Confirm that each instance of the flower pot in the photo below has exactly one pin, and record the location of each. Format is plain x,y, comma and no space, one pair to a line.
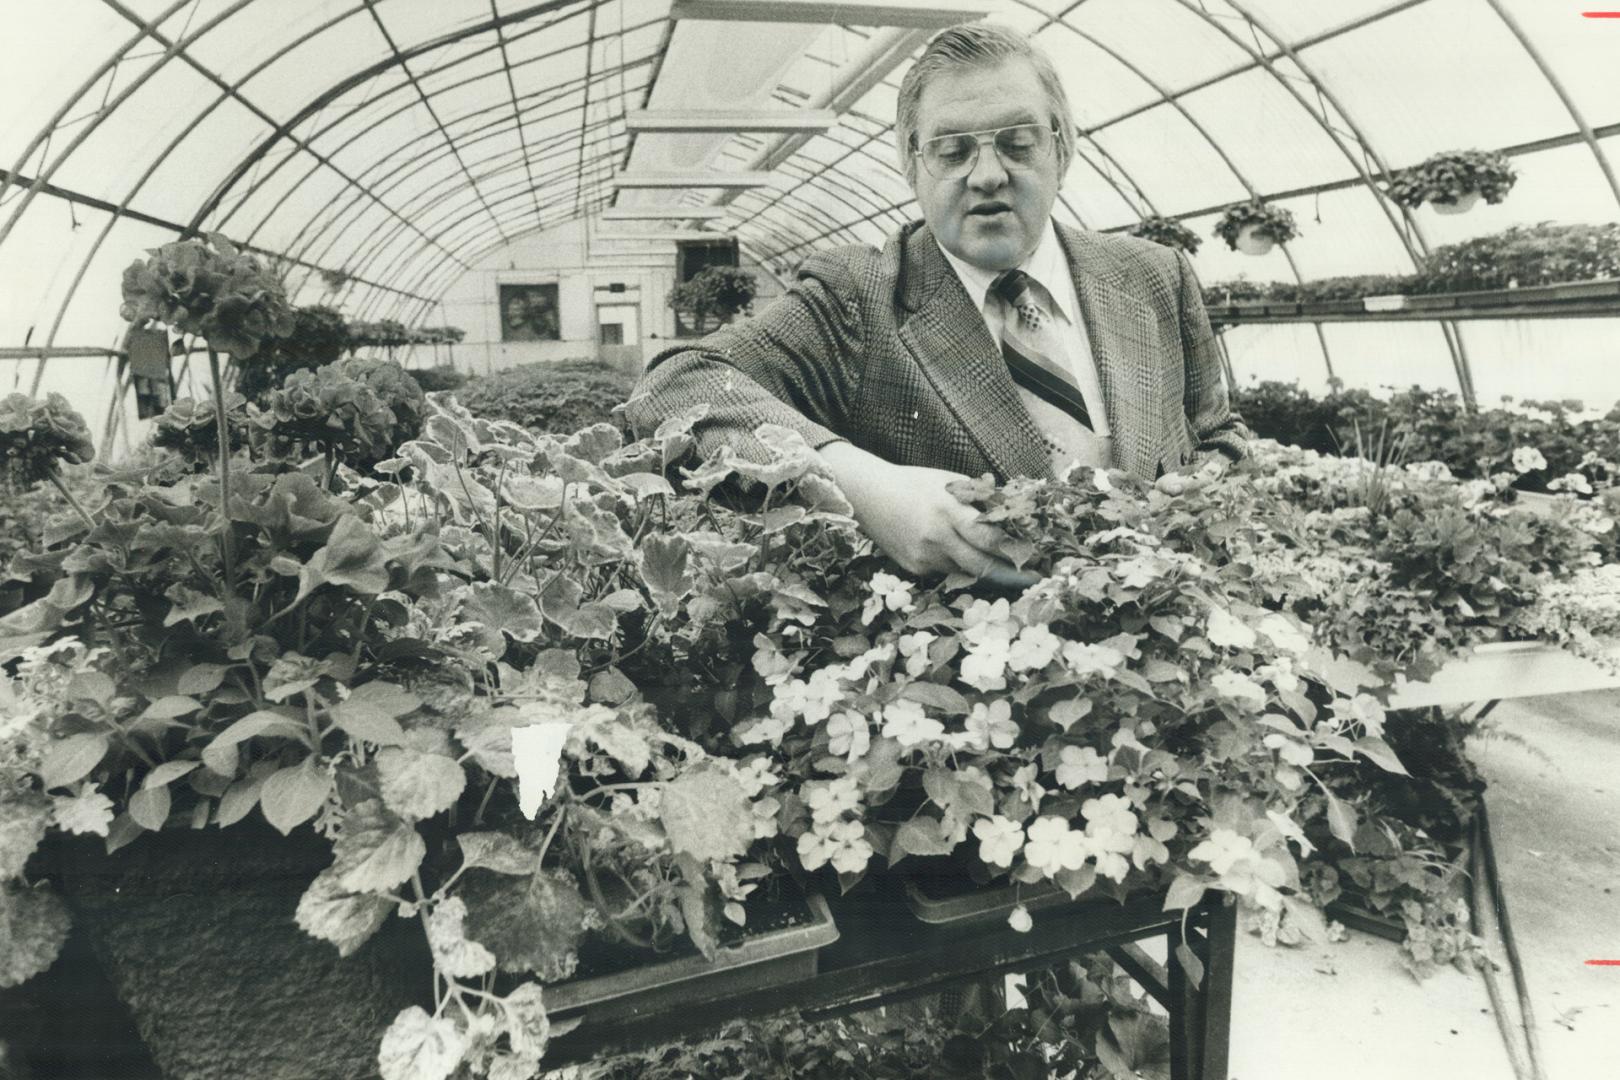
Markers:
1251,242
1464,203
1396,302
195,931
772,958
940,903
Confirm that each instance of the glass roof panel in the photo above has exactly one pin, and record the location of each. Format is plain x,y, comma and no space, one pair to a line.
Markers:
1296,21
316,65
255,33
47,55
1583,53
1172,46
1100,87
196,164
1165,156
1413,99
134,134
1253,117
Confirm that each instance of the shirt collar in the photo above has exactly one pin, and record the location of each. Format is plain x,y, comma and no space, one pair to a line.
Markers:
1046,264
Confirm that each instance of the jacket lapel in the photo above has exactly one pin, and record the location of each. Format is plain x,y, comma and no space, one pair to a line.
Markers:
1123,335
949,341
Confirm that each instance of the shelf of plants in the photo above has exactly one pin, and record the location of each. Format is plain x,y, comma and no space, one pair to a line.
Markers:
540,695
1576,300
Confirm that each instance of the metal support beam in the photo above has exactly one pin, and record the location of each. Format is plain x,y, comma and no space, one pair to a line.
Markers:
932,15
697,178
663,213
727,120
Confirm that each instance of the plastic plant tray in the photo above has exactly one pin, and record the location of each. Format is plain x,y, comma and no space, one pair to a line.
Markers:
982,904
768,959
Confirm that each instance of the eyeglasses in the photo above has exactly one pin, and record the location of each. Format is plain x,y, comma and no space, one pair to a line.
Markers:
1020,147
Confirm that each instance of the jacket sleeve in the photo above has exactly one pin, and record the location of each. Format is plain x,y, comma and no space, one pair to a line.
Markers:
1214,426
795,364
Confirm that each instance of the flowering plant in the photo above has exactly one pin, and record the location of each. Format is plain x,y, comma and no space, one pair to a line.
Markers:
209,288
1271,222
36,437
1167,231
1448,176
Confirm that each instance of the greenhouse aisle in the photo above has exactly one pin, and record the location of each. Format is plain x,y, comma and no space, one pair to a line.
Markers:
1555,815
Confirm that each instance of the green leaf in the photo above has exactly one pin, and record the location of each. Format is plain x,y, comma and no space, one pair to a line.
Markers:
96,686
376,850
937,696
1070,711
532,923
1191,964
527,1025
706,815
255,724
503,610
1184,892
417,784
645,485
1379,753
189,605
33,927
238,801
921,835
23,821
345,919
170,707
417,1046
366,721
150,807
167,773
453,954
498,852
353,556
388,697
71,759
1341,819
202,678
1076,882
293,795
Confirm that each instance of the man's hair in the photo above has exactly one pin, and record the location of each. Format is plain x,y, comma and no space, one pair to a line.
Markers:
978,45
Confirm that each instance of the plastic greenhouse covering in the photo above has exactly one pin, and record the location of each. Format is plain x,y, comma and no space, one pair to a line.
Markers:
382,148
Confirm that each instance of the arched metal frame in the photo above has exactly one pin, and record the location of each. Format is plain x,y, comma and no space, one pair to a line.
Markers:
430,239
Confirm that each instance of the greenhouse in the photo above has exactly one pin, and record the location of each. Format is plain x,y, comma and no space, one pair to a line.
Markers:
645,539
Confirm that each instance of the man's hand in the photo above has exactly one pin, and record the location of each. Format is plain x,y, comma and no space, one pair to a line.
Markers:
910,515
1177,483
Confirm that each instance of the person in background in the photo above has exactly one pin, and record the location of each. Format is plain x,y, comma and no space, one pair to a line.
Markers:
985,338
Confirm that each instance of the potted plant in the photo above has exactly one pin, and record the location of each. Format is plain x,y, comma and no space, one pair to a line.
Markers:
1453,182
722,292
1167,231
1253,227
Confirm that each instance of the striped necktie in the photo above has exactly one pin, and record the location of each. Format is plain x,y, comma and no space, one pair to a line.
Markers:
1030,368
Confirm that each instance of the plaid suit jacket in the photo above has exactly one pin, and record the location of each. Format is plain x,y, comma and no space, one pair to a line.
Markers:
886,349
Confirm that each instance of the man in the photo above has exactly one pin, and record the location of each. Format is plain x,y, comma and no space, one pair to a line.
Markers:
914,366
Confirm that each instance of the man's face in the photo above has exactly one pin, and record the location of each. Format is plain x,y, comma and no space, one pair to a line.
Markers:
991,218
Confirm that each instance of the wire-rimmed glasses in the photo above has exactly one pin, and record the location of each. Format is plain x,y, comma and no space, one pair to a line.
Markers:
1020,147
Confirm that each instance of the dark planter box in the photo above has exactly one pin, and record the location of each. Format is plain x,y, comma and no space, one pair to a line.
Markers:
774,958
939,902
195,932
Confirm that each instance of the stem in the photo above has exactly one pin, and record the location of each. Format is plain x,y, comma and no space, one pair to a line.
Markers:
545,846
56,479
224,470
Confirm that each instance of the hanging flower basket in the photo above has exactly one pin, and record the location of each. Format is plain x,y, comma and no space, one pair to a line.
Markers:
1453,182
1168,232
1253,227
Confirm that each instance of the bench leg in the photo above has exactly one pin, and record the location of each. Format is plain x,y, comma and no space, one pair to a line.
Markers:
1201,1010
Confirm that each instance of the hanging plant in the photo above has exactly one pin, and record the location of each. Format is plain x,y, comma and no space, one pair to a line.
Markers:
1167,231
1454,181
1252,227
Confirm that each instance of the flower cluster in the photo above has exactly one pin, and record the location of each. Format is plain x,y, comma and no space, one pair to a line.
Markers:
1448,176
208,287
36,437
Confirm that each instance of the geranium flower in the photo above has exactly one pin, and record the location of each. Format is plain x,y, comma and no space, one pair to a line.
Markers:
992,725
1034,649
906,722
1000,839
888,593
848,735
1528,459
1080,765
1053,847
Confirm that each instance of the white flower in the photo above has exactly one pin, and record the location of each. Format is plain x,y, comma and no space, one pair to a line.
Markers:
914,647
1053,847
848,735
765,811
755,776
1034,649
1019,919
1238,687
1286,634
844,844
1528,459
991,725
1110,820
1080,765
1223,850
984,619
1228,631
770,729
906,722
1024,782
1000,839
829,800
776,667
87,812
888,593
1576,482
1085,659
1433,471
985,665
